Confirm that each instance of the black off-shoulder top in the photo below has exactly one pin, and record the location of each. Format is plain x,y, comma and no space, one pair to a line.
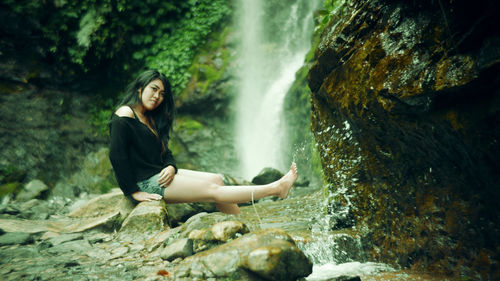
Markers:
135,152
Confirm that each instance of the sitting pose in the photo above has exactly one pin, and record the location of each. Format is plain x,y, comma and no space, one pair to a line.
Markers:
144,166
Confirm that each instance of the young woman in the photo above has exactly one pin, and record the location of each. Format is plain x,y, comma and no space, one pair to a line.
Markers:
144,166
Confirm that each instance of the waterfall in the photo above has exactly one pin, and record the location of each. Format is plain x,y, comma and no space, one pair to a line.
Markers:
275,37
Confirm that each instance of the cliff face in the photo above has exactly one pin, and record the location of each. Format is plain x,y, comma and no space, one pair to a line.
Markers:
406,112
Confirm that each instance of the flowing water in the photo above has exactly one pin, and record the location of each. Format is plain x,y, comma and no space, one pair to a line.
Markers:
275,37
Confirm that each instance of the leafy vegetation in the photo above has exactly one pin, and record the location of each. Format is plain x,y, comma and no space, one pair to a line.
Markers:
110,39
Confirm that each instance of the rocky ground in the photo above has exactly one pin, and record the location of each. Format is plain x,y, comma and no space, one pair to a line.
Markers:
105,237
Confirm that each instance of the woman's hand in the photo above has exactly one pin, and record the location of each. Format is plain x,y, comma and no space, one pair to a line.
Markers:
166,176
144,196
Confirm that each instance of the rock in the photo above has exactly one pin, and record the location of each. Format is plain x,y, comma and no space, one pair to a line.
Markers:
36,209
34,189
106,222
119,252
10,225
267,175
63,238
181,248
104,204
270,253
279,261
157,240
98,237
147,219
77,246
180,212
203,239
12,238
226,230
405,118
202,221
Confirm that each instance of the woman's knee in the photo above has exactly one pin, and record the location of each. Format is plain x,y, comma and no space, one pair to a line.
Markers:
216,192
217,179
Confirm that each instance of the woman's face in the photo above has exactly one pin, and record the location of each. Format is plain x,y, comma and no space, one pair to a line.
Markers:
152,95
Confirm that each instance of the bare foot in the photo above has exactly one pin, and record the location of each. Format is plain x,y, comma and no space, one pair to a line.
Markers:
286,182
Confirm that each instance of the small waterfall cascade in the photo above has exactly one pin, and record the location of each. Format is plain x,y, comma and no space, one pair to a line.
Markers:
275,37
339,252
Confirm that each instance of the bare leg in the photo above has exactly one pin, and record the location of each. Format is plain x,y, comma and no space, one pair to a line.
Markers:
212,178
185,189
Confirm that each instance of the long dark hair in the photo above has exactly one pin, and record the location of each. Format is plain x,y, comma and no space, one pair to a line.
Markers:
163,115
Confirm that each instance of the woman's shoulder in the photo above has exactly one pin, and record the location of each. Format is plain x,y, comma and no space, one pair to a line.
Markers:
125,111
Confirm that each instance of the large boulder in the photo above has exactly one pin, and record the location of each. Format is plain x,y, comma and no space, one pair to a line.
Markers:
269,254
111,202
146,220
405,109
267,175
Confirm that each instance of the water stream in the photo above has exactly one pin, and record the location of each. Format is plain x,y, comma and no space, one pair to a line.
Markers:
275,37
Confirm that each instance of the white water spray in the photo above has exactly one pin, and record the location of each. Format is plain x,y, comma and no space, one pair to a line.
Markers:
276,35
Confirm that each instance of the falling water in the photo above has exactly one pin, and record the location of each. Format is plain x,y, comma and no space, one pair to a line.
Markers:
276,35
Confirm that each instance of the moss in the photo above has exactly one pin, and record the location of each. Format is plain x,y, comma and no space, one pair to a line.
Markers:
10,188
188,126
209,64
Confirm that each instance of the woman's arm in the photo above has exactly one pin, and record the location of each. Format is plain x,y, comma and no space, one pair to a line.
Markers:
118,155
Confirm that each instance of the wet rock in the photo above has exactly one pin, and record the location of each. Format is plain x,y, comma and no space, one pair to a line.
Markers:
12,238
267,175
272,261
269,253
181,248
34,189
147,219
407,127
226,230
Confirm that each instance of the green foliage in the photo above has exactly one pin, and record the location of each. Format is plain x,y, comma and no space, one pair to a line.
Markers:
173,53
99,116
113,36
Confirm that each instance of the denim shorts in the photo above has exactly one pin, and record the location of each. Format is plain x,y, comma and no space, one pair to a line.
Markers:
150,186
